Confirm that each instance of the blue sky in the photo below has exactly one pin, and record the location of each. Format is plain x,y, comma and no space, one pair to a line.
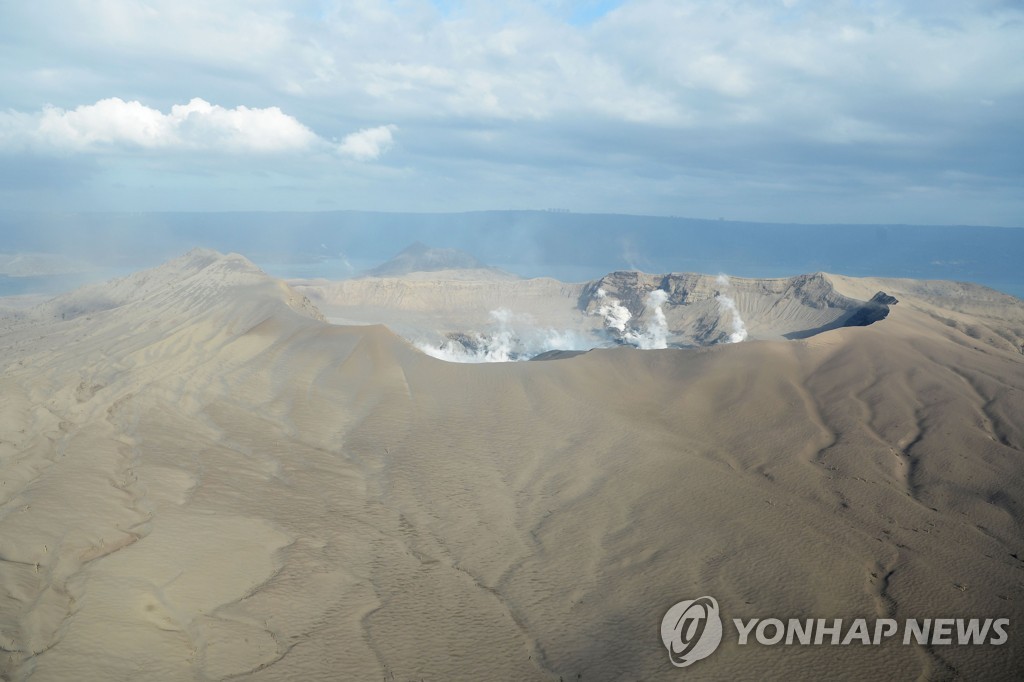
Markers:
789,111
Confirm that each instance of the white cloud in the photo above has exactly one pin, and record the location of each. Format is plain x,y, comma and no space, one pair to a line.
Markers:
114,124
108,122
367,144
241,128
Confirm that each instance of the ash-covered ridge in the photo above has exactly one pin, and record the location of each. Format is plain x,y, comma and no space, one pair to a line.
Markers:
194,283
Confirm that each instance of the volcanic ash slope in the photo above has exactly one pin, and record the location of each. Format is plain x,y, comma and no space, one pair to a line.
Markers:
201,479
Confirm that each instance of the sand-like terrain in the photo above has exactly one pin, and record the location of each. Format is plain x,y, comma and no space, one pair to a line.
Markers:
201,479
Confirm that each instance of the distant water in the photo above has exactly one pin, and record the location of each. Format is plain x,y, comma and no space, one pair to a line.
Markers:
327,268
50,284
568,246
56,284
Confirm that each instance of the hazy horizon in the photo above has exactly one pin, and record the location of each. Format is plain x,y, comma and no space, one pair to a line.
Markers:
566,246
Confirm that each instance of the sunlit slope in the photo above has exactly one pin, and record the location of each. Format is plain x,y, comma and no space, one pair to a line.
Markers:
202,480
983,315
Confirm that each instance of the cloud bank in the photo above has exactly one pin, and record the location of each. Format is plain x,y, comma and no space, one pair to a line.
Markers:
830,111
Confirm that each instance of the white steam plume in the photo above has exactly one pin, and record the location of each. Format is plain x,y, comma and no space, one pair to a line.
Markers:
504,343
655,333
616,316
513,337
728,304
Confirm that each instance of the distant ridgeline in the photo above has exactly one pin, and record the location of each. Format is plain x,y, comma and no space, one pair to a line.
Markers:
569,246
